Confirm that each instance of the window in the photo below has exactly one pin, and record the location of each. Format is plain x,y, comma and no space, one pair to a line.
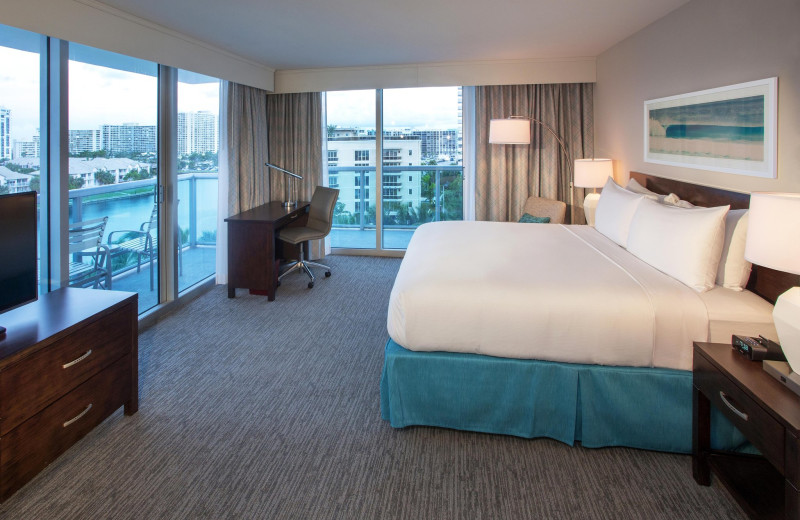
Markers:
351,135
20,163
198,167
422,125
113,112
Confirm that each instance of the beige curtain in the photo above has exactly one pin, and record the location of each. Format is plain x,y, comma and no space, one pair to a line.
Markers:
506,175
295,129
247,138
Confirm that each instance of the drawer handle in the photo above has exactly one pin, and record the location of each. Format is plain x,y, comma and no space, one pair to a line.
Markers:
84,412
76,361
735,410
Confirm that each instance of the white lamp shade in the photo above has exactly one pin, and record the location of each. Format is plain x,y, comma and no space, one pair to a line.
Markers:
510,131
773,231
592,173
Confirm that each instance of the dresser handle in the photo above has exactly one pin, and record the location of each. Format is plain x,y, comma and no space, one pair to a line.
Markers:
78,416
735,410
75,362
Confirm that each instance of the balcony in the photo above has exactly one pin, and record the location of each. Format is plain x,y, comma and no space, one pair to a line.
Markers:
127,205
438,195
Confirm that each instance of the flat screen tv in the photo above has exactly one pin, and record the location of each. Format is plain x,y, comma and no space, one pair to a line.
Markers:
18,253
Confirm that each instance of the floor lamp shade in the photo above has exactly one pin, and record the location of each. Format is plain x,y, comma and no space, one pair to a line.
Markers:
515,130
773,240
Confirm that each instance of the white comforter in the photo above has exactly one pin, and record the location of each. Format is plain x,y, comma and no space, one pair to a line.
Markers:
551,292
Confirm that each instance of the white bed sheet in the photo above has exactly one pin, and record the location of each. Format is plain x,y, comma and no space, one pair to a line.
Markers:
551,292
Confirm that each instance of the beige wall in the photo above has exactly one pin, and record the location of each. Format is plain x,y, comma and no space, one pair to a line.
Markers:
704,44
500,72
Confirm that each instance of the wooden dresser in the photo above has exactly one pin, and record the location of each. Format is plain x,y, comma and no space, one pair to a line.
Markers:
67,362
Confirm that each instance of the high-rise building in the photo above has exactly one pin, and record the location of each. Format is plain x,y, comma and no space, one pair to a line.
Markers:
198,132
438,143
5,133
351,168
27,148
129,138
85,141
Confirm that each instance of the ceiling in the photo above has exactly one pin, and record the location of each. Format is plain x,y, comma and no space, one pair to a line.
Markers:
301,34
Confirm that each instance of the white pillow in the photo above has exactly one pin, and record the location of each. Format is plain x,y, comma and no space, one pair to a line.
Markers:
615,211
734,270
686,245
634,186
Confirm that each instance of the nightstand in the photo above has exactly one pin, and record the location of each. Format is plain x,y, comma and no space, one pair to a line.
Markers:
766,412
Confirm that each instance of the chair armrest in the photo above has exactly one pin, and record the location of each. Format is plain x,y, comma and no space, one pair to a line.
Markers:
124,232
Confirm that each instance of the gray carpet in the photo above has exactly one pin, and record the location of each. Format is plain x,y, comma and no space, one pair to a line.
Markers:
252,409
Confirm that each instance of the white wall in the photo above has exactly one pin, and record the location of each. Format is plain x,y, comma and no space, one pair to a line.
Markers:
98,25
702,45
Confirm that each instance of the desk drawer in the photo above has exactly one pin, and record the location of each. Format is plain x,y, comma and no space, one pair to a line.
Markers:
38,380
766,434
41,439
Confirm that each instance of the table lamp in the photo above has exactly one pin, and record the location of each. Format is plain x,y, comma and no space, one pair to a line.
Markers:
592,173
773,241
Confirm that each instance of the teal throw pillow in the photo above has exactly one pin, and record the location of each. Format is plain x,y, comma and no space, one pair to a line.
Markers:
530,219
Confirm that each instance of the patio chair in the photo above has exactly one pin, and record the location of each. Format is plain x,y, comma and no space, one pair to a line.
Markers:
139,242
143,243
86,240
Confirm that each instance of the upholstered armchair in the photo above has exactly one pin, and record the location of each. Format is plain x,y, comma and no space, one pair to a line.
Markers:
541,207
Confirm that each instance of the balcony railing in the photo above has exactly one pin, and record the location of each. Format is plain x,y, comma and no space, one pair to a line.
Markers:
437,200
128,205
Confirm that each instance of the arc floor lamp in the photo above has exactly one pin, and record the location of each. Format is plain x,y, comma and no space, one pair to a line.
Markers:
517,130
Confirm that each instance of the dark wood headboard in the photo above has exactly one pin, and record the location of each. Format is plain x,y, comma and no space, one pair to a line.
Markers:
765,282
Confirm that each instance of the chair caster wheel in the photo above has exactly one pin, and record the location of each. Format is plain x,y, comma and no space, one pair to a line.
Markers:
327,274
310,285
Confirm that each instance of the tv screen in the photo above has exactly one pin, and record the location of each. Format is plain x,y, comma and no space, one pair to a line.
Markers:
18,254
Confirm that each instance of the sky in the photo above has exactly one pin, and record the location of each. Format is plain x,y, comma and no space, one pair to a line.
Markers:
101,95
98,95
418,108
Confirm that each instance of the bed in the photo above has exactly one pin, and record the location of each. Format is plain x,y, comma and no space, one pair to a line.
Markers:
585,343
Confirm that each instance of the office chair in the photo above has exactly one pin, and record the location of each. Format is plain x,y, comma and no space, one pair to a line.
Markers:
320,219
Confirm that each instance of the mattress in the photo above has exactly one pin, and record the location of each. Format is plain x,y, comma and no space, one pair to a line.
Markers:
548,292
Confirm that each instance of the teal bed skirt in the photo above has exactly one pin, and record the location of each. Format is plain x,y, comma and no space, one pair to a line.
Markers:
648,408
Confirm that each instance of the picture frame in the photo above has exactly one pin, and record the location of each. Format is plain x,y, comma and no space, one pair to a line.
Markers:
731,129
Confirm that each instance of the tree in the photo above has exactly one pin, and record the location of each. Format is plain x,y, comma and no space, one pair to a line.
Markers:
104,177
75,182
34,184
331,130
4,189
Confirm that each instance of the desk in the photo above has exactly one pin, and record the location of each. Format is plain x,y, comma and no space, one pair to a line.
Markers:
252,262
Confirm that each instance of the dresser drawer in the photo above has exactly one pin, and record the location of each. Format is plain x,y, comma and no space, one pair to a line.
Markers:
43,377
41,439
761,429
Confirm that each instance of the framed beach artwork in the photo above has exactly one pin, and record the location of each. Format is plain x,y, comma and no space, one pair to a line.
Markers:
729,129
